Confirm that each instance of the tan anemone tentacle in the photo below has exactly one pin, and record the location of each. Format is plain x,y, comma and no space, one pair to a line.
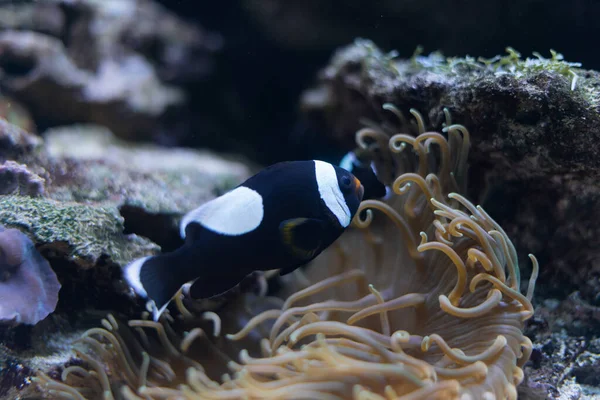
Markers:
395,217
337,305
285,334
397,113
436,187
57,388
419,120
533,278
162,335
457,228
477,256
460,358
434,137
463,142
493,300
380,141
342,279
404,182
409,300
515,295
461,269
254,322
399,142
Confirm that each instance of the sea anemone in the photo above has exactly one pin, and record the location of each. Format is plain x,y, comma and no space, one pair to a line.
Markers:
420,299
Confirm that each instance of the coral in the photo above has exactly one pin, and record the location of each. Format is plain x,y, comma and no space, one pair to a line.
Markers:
101,168
121,90
422,298
17,144
28,285
16,179
120,64
85,233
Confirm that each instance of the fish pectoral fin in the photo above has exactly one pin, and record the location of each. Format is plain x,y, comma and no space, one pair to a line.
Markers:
193,232
303,237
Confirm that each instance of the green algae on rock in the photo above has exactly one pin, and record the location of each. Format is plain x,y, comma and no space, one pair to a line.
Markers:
519,104
85,232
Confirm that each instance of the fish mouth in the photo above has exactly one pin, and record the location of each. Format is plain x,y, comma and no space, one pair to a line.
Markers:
359,189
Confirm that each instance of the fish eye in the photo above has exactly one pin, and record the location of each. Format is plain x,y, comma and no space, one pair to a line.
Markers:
346,181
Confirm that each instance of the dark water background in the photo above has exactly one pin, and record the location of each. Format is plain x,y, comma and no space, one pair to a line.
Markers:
274,49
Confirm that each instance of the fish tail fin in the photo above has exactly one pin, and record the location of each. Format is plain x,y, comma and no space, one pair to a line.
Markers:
153,278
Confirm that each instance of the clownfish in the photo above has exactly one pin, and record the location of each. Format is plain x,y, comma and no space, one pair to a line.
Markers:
280,218
366,172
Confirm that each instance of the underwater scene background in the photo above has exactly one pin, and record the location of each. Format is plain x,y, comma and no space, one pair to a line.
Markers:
476,276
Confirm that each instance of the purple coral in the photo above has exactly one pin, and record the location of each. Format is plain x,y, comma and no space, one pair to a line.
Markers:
28,285
17,179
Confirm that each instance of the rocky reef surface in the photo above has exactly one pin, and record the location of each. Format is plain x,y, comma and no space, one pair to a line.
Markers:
91,203
90,76
124,65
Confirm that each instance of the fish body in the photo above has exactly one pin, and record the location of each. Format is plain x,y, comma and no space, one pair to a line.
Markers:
366,172
281,218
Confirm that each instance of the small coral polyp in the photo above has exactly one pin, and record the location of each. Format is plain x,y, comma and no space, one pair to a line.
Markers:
420,300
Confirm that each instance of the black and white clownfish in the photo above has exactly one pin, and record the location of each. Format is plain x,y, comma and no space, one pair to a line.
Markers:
365,171
280,218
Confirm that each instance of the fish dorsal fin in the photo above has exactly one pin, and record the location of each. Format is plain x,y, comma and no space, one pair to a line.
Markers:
303,237
235,213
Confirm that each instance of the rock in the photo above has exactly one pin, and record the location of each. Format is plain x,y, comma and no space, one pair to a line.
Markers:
13,112
535,128
562,367
93,166
123,94
44,17
82,233
17,179
121,64
17,144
